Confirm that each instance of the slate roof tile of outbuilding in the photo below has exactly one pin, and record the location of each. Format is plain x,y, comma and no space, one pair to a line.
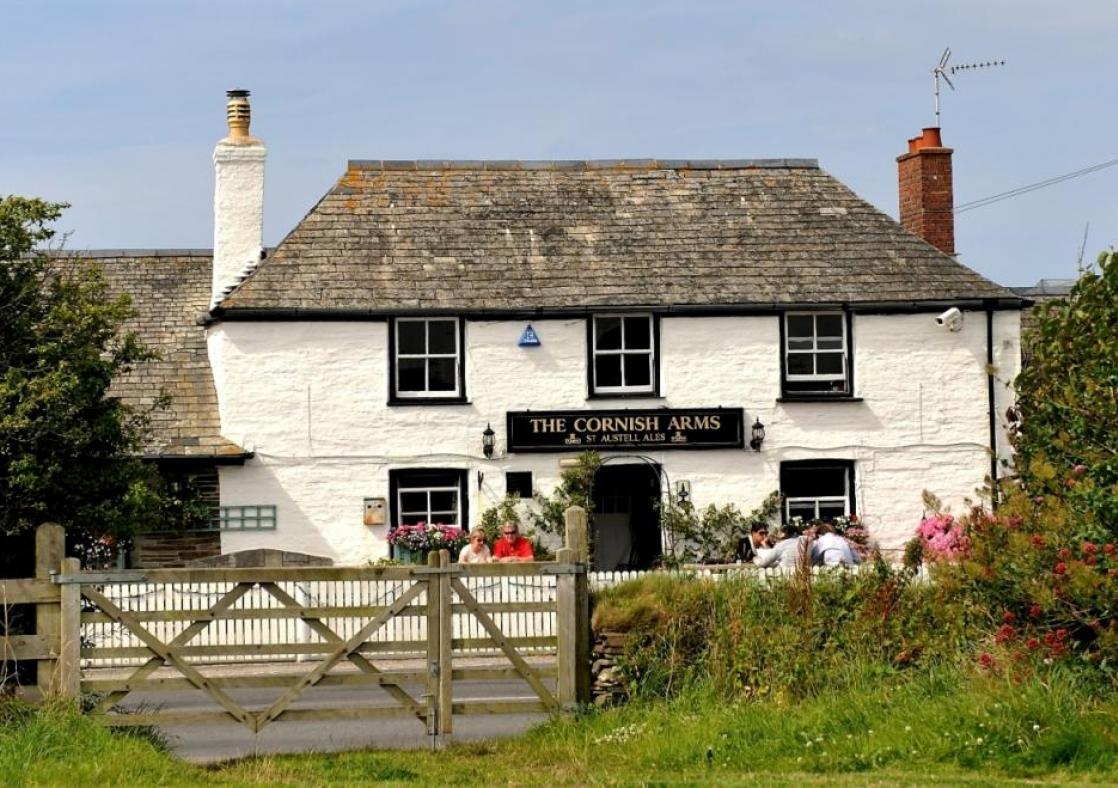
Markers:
477,236
170,290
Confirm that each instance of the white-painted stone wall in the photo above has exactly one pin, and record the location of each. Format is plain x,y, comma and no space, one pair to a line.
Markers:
309,398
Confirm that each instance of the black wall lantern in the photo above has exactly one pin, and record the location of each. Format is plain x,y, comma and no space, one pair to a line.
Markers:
757,433
487,440
683,491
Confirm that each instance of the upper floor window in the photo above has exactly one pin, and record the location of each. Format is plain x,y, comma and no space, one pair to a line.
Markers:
623,354
817,489
427,358
816,353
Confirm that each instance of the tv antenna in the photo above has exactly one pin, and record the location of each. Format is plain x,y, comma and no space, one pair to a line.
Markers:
942,70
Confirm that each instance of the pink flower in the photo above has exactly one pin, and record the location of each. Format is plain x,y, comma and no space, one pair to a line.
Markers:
986,660
1060,568
1079,470
941,537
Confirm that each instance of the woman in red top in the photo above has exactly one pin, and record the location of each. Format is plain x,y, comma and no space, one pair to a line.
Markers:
512,546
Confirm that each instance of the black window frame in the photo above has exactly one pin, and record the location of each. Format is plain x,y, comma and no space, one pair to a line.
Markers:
849,480
395,396
593,391
802,389
428,478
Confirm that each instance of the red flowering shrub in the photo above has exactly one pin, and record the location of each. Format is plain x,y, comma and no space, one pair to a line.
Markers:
1051,594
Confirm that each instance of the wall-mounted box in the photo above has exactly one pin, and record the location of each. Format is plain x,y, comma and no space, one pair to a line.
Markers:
376,511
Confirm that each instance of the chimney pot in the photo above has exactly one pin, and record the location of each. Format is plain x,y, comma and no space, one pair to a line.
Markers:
931,138
238,113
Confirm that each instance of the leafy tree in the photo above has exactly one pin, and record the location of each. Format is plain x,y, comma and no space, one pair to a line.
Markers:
1067,398
68,452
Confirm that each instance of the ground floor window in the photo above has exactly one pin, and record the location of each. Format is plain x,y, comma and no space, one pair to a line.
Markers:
428,495
817,489
519,483
257,517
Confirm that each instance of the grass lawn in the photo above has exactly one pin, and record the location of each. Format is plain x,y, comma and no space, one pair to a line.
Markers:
938,729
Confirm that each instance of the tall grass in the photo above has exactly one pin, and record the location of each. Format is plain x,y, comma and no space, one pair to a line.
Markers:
55,745
792,637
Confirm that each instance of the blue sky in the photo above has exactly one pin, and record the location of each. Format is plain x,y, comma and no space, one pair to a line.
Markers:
115,106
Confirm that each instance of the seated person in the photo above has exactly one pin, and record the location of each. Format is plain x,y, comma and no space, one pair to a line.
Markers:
512,546
787,553
831,549
758,539
475,551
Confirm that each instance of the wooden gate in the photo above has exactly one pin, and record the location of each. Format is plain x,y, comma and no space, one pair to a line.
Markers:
456,631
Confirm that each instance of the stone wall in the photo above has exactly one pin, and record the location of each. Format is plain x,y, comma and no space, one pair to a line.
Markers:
172,549
606,686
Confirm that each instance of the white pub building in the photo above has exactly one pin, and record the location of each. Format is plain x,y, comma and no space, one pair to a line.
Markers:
435,334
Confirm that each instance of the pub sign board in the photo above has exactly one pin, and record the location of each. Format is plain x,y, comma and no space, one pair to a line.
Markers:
601,430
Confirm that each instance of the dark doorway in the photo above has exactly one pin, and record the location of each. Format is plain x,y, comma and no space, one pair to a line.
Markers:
626,517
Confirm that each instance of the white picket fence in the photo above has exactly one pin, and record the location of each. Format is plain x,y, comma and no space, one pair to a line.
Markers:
601,580
403,635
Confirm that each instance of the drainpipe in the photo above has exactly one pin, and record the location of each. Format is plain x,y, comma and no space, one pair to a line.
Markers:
991,408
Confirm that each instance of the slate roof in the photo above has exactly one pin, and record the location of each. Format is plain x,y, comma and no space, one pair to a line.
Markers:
493,236
170,289
1039,294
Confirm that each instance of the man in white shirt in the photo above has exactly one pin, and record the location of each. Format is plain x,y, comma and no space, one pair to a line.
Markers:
831,549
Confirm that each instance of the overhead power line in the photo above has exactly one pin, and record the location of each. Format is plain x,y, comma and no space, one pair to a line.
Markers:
1032,187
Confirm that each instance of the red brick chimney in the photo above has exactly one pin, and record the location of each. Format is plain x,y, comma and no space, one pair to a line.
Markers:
926,194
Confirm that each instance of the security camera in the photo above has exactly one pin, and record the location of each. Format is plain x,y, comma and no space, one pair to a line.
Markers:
952,319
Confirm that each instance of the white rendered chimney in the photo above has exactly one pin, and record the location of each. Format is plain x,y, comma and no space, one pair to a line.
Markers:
238,199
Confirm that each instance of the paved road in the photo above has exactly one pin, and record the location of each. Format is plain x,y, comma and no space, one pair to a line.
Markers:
221,741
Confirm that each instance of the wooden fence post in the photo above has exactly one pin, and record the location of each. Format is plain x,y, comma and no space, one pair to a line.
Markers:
567,652
434,644
50,549
577,537
70,642
440,663
446,650
578,542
